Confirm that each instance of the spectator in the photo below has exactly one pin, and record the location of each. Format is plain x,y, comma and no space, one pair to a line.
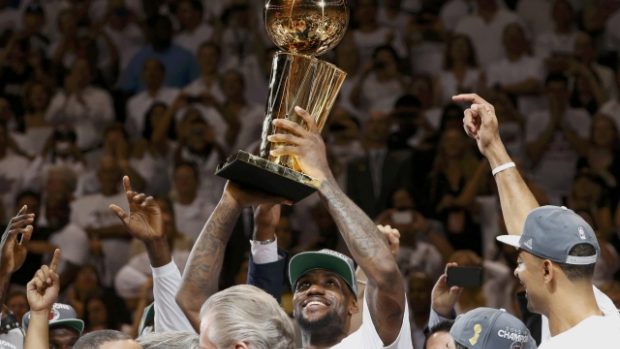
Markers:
109,240
439,336
121,25
189,207
179,64
194,31
207,85
552,138
560,41
17,302
153,74
460,68
519,73
488,328
484,28
37,130
74,104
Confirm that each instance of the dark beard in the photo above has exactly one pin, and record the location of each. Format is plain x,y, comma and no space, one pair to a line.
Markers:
329,326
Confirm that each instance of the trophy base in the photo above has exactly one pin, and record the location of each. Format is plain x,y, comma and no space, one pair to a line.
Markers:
263,175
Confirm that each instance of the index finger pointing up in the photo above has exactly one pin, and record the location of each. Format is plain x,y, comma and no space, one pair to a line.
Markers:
55,260
469,98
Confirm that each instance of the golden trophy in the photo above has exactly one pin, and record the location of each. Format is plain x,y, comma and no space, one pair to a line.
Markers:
302,29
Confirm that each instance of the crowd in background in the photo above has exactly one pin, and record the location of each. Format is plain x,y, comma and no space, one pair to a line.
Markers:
163,91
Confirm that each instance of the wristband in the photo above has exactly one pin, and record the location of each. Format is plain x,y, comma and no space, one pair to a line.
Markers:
266,242
502,167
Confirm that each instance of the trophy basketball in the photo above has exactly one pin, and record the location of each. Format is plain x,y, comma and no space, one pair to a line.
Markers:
302,29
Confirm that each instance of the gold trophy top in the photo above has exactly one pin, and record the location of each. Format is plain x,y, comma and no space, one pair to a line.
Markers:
308,27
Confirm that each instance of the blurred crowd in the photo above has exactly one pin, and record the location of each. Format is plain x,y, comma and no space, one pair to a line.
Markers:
165,90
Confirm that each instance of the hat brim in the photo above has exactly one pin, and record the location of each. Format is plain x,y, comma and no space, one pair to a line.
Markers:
512,240
75,324
304,262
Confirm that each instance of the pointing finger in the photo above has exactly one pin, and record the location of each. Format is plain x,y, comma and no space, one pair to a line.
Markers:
55,260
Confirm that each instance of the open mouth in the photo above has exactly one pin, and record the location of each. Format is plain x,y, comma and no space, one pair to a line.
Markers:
315,303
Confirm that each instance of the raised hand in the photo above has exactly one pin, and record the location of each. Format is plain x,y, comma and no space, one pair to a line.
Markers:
13,250
144,220
42,290
444,298
306,145
244,197
392,236
480,121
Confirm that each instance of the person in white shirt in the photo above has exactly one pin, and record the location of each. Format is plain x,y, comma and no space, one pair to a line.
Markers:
90,213
552,138
519,73
153,74
193,30
12,170
562,38
189,207
123,30
557,248
86,107
207,86
484,28
611,108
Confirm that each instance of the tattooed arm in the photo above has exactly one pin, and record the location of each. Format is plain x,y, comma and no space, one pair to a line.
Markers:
201,274
368,246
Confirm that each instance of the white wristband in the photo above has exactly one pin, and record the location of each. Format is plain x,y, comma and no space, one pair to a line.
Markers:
503,167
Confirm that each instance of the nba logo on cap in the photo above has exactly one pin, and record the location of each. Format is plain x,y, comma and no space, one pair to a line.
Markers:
582,233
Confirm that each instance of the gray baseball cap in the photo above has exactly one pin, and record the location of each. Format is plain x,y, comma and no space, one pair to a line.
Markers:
326,259
488,328
550,232
61,315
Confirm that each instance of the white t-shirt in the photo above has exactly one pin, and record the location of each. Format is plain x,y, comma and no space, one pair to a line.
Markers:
604,303
192,40
380,95
506,72
366,337
88,117
138,105
552,42
191,218
450,87
556,168
93,211
73,242
598,332
367,42
487,36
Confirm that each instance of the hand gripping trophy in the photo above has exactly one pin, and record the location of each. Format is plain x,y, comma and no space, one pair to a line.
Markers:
302,29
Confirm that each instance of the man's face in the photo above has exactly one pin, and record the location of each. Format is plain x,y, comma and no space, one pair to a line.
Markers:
19,306
62,338
529,273
322,300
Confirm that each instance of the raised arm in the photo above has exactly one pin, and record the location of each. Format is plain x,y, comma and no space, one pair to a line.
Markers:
42,292
385,289
201,275
13,249
480,123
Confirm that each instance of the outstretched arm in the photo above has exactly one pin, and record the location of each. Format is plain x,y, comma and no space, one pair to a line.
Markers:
13,249
201,275
480,123
42,292
386,294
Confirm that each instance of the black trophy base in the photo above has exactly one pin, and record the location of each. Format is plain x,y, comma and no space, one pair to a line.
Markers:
263,175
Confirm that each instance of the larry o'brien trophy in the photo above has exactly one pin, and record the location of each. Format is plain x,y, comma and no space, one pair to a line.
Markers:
302,29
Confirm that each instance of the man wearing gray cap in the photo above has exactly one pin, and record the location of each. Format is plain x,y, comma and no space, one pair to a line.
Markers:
557,248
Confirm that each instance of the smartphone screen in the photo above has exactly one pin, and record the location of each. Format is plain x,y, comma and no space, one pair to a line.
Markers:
402,217
465,276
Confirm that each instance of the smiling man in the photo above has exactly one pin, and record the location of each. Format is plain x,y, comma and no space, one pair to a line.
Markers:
557,248
323,282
